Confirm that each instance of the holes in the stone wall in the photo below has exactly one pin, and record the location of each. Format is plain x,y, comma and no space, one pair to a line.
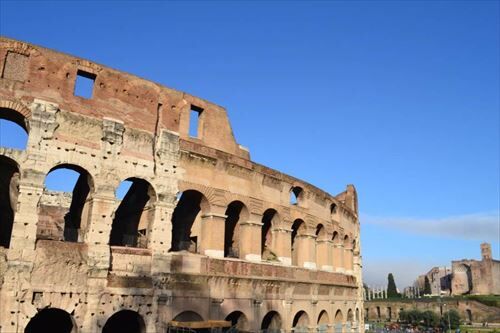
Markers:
194,121
84,84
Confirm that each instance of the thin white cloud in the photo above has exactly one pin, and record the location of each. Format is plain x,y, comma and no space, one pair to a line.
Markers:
480,226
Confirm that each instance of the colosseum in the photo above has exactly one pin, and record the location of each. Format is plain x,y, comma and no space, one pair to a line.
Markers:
203,240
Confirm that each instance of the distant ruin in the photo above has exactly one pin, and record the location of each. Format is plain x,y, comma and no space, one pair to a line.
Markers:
465,277
202,235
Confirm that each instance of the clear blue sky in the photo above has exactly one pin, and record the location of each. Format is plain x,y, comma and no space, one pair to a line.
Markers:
400,98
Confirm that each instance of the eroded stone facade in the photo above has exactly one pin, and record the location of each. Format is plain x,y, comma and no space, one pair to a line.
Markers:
203,233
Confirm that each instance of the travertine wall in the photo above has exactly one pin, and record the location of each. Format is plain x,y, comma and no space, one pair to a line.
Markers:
203,233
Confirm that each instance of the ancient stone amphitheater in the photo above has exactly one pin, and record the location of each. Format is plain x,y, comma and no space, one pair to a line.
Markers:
203,237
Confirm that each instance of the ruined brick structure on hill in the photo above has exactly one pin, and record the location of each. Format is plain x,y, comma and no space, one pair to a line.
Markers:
202,234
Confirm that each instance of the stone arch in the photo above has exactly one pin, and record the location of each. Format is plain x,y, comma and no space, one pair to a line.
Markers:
350,320
186,316
14,129
468,315
299,229
52,320
270,219
125,321
9,191
238,320
348,257
462,279
323,249
333,209
186,220
321,233
134,216
300,322
56,215
357,315
271,322
15,112
337,251
338,320
236,213
296,195
323,321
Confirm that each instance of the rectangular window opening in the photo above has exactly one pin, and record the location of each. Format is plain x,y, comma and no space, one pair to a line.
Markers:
194,121
84,84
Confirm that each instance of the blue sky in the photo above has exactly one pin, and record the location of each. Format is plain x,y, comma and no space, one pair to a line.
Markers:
400,98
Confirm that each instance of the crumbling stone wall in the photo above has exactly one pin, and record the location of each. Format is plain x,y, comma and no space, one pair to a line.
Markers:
469,310
98,258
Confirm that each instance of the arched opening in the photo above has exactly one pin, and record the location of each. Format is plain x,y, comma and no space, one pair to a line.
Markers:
357,315
296,194
349,321
13,129
187,316
389,313
134,215
378,312
9,190
367,314
239,321
339,318
125,321
333,209
468,314
337,254
322,247
51,320
462,279
235,212
300,322
298,229
347,253
323,321
271,323
186,221
64,208
269,219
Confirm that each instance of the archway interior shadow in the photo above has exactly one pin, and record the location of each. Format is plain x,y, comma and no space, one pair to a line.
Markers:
9,179
50,320
125,321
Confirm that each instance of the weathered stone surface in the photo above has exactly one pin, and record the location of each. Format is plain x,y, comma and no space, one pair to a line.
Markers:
202,229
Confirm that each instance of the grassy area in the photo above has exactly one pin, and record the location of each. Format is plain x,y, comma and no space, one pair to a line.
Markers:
470,329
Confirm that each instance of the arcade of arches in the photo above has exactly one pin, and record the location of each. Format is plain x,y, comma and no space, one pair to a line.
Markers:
113,218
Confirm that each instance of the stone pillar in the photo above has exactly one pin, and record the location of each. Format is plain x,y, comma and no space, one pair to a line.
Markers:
306,250
324,255
212,235
160,229
250,239
283,245
338,251
23,237
348,260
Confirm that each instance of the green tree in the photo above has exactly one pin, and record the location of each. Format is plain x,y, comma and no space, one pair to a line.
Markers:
392,291
430,318
453,317
427,286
